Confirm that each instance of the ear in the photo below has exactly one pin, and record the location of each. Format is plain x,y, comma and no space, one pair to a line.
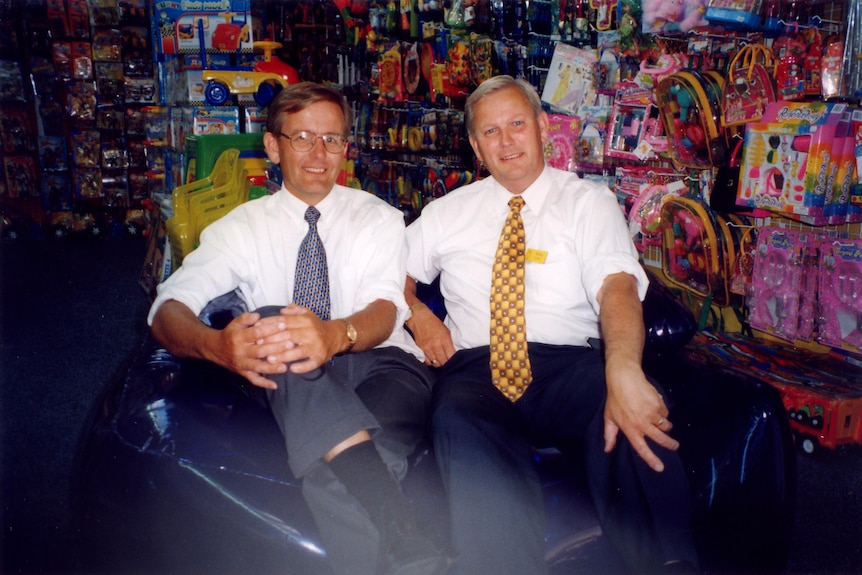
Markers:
544,126
270,144
475,147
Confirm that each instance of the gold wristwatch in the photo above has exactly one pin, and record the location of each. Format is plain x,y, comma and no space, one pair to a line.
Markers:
351,335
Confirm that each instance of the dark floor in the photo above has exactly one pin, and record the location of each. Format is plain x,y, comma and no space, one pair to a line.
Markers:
73,313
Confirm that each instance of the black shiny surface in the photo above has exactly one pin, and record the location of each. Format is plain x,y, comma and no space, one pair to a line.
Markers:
185,472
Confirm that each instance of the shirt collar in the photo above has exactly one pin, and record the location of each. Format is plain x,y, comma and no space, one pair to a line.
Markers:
534,196
297,207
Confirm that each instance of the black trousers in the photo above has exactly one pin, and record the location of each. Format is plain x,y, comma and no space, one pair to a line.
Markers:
386,391
484,446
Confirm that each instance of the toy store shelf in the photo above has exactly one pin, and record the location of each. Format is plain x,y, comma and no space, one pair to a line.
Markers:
822,393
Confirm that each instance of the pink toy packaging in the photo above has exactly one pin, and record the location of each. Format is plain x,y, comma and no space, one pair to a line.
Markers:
841,294
560,151
628,123
778,282
836,208
787,159
668,16
854,208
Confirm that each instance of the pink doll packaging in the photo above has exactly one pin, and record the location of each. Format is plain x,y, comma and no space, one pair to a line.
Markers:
841,294
777,282
560,151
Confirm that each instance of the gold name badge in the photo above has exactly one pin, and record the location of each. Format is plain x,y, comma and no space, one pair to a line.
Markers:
536,256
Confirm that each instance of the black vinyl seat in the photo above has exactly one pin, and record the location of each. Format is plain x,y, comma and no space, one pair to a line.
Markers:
183,470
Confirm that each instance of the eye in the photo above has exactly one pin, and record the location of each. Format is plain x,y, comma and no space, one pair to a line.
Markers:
302,137
490,131
332,139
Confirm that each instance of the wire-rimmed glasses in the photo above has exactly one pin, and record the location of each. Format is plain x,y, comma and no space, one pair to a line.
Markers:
305,141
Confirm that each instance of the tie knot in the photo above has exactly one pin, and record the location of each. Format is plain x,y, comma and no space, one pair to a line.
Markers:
515,204
312,215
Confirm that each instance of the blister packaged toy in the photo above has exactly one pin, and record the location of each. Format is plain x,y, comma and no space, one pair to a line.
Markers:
777,282
841,294
645,214
560,150
630,118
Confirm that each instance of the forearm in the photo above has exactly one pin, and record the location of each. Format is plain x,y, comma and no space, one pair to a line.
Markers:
374,325
419,312
177,328
621,319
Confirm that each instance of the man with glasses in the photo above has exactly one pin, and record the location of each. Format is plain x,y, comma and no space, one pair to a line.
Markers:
323,267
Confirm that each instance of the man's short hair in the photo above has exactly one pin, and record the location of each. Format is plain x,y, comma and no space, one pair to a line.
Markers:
297,97
496,84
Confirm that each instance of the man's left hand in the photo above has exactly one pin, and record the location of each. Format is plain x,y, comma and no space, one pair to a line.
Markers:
635,407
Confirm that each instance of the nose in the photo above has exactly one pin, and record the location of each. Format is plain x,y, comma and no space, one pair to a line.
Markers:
317,149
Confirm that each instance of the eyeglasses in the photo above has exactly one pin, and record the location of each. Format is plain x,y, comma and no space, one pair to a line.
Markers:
305,141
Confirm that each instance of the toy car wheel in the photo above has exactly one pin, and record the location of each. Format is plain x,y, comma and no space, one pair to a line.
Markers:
216,93
807,444
265,93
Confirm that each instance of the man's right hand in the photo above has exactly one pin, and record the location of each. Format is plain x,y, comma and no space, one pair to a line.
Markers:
432,336
247,342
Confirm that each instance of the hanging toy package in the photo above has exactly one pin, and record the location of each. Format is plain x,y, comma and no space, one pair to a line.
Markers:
841,294
852,71
778,280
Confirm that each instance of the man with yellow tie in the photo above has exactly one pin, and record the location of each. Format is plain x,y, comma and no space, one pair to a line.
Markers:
534,263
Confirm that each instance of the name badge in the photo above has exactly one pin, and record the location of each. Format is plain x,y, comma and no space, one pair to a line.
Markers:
536,256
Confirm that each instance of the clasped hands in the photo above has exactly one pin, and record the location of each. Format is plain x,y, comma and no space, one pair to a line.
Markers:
295,340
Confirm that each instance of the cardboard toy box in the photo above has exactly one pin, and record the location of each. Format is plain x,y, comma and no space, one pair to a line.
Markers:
189,26
787,164
215,120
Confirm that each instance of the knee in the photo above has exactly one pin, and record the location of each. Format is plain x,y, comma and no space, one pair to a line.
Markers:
269,310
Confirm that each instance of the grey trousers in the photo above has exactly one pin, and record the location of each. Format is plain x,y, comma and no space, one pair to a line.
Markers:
385,391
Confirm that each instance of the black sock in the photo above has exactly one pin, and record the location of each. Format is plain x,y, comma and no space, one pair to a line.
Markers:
367,478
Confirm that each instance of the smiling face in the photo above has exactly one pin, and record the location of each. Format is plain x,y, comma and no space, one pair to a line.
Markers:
507,135
308,175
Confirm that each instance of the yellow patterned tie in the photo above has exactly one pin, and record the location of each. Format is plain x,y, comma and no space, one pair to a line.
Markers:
510,364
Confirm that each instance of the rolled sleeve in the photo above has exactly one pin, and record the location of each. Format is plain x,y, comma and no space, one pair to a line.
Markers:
610,250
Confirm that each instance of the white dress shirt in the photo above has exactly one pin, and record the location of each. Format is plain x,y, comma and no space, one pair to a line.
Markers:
576,236
254,248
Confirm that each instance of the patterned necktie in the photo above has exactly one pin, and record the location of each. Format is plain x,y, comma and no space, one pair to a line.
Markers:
510,364
311,286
